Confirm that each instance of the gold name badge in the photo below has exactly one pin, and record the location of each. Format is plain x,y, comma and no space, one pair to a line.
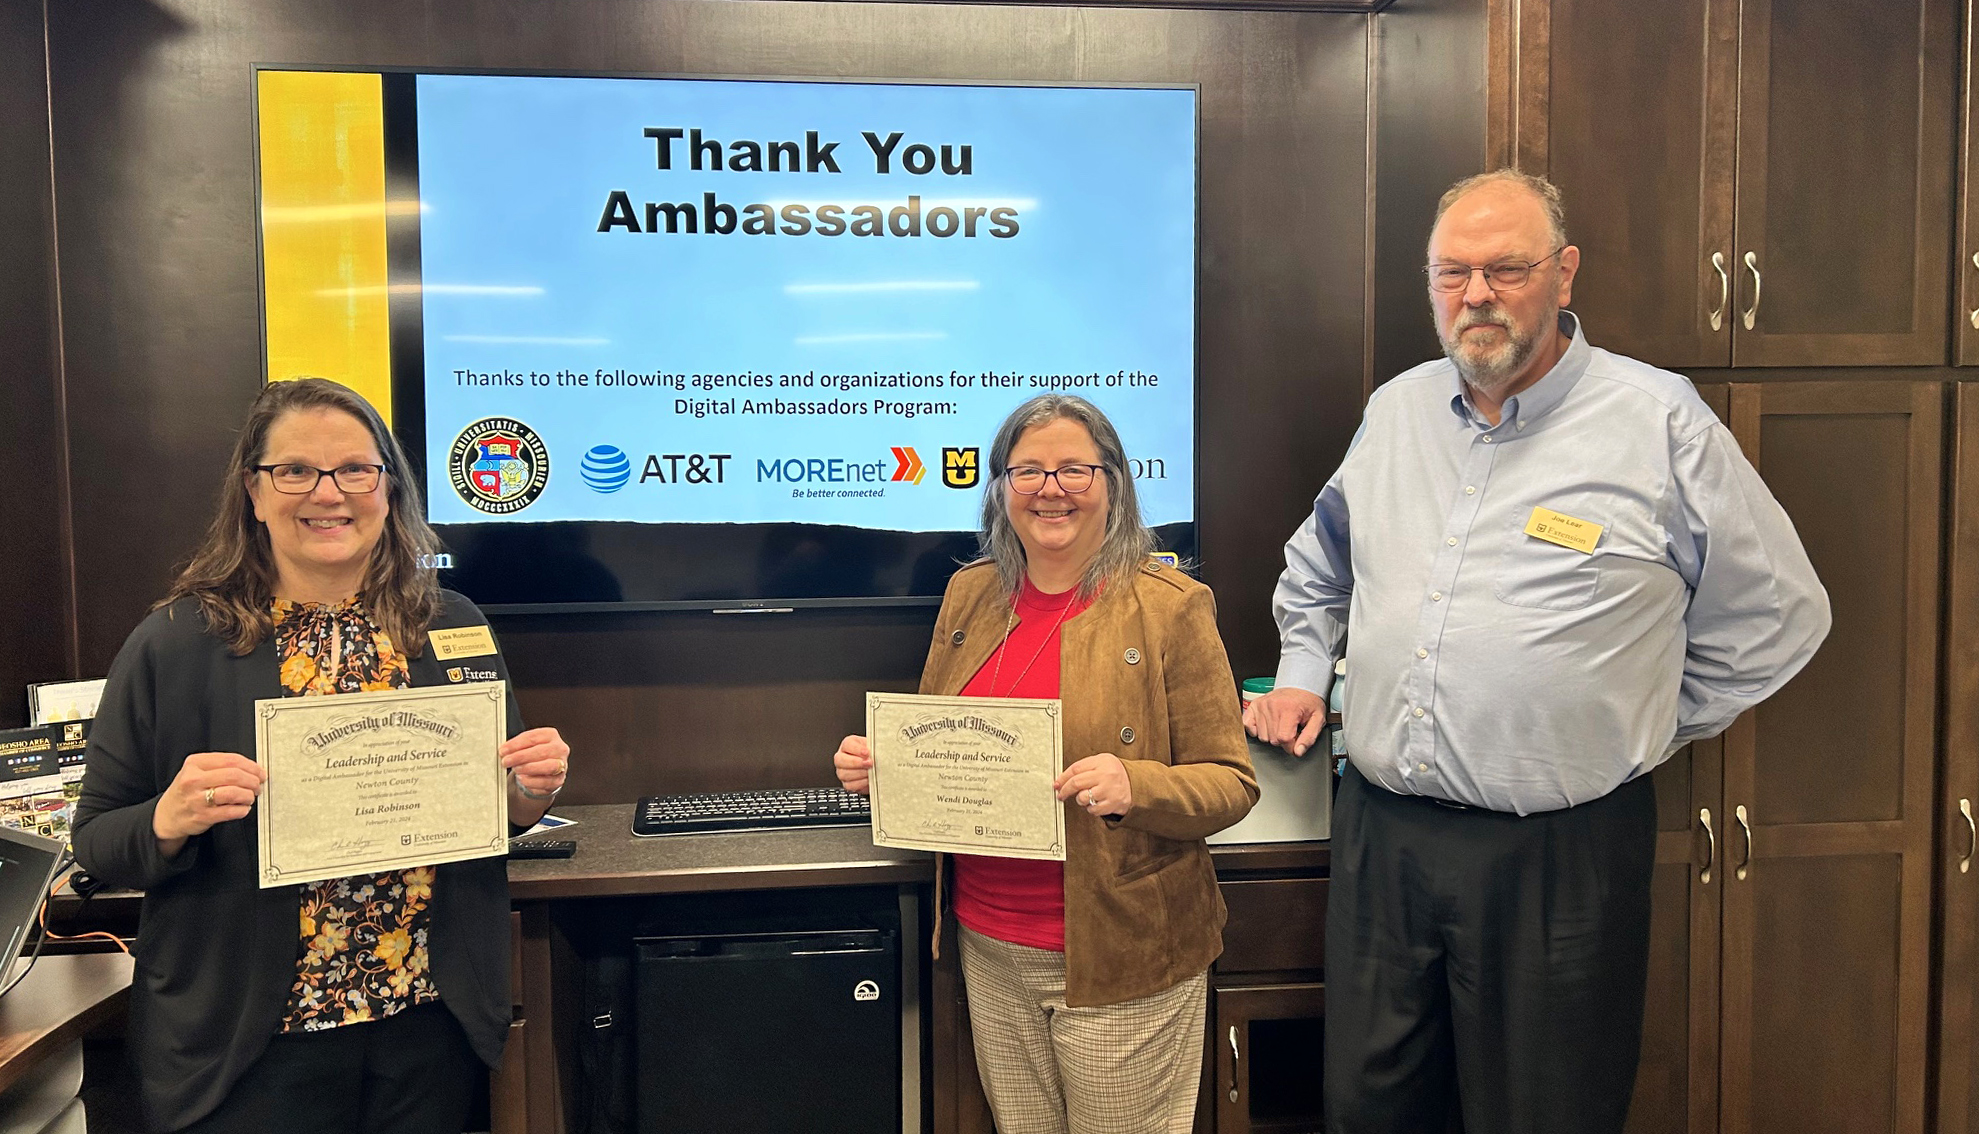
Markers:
461,642
1560,528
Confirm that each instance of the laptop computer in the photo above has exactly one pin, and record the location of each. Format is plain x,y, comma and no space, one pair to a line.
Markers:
28,863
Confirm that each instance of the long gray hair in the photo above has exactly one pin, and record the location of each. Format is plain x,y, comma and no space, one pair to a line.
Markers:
1127,543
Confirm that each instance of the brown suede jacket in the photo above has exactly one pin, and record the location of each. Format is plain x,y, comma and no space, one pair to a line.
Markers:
1145,677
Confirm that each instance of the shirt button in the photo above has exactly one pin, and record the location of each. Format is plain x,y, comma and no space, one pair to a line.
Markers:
957,638
1418,713
1487,439
1133,656
1422,653
1422,767
1127,735
1452,541
1470,490
1436,596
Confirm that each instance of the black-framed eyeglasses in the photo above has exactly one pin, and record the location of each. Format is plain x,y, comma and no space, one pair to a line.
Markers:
300,480
1028,480
1504,275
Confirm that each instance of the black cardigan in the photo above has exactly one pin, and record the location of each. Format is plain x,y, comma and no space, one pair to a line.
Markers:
216,954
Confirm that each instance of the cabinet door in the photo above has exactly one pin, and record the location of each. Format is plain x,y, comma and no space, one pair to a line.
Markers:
1958,998
1676,1083
1638,134
1268,1048
1827,889
1965,317
1844,182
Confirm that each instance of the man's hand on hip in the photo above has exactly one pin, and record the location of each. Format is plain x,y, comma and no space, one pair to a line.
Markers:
1289,718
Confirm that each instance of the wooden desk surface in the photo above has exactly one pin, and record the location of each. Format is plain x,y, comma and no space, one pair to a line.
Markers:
63,998
611,860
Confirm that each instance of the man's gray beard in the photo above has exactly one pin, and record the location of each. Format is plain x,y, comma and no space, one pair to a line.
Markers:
1490,377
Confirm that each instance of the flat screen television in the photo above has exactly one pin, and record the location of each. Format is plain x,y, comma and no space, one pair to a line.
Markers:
743,343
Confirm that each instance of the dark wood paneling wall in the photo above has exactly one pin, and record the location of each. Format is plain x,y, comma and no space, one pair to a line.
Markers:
154,193
34,627
1429,131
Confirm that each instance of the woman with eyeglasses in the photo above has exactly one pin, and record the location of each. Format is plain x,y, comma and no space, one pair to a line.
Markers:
1087,979
357,1004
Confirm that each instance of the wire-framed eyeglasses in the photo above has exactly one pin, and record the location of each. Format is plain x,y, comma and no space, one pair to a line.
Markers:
1502,275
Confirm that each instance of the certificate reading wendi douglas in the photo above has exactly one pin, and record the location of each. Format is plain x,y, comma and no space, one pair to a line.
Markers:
966,774
362,782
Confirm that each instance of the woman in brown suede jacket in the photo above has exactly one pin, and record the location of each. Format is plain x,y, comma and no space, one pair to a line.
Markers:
1087,980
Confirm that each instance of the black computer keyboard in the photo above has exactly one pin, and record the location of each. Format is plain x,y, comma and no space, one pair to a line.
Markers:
749,811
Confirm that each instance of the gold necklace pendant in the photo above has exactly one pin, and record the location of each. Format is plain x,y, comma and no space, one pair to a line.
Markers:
1009,624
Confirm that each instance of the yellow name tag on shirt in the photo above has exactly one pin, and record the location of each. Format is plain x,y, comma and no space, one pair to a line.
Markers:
1560,528
462,642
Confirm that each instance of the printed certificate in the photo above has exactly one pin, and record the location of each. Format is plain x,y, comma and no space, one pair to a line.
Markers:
967,774
362,782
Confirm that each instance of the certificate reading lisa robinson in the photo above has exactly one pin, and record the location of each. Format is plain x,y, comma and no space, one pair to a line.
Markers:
967,774
365,782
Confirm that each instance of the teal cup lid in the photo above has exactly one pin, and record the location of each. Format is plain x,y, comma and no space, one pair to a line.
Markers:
1259,685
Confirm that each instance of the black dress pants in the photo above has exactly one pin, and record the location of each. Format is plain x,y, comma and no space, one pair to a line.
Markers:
410,1073
1483,962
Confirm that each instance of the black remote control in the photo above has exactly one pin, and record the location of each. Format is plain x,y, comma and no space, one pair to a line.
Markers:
542,848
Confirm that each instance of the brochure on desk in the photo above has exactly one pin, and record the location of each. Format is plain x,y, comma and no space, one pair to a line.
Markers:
41,776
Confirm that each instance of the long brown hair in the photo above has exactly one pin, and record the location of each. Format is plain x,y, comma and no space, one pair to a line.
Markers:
232,575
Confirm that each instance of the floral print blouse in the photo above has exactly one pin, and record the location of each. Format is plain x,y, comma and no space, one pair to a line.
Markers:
363,949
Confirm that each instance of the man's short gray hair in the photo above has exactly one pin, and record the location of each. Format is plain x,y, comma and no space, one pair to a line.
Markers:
1545,191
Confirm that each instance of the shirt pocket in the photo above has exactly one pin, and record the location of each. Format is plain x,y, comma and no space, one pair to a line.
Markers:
1537,573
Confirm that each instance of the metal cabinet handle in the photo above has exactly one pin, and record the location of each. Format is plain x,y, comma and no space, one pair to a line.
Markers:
1739,813
1971,836
1724,290
1711,845
1234,1057
1752,312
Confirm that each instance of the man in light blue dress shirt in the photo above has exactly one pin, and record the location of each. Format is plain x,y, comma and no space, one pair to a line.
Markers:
1548,568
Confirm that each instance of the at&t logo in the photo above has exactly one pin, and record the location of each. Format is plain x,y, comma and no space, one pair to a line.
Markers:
605,468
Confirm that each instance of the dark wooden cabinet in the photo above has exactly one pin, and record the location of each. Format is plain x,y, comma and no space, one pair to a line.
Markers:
1957,1007
1676,1084
1828,785
1752,182
1638,132
1267,1014
1267,1046
1965,317
1790,966
1791,945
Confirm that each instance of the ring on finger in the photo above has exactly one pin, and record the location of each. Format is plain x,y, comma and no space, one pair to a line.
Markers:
209,797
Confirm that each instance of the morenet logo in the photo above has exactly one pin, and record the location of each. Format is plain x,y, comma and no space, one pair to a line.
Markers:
905,466
605,468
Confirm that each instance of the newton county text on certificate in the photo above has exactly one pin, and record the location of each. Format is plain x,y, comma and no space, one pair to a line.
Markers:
366,782
966,774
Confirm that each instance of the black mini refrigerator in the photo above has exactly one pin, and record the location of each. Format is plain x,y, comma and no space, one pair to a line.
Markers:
769,1033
